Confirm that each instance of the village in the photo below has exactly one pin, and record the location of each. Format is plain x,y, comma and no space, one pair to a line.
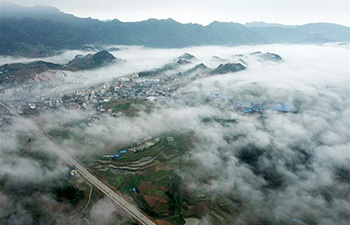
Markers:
158,88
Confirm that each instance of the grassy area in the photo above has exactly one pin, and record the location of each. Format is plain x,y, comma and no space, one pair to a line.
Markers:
150,152
114,180
131,181
66,137
158,175
129,107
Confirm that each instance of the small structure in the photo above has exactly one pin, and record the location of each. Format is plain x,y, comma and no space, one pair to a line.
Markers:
82,124
143,146
32,105
108,156
255,108
74,173
170,139
123,151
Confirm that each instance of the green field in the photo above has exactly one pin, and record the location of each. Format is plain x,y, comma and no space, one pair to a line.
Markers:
127,106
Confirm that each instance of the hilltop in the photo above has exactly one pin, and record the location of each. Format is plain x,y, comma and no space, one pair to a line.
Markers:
20,72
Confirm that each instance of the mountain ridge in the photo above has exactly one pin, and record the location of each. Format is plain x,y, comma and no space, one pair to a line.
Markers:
20,72
44,30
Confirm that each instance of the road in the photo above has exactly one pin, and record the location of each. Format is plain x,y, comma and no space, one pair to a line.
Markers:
131,209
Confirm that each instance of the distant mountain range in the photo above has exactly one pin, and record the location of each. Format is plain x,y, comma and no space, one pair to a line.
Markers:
43,30
263,24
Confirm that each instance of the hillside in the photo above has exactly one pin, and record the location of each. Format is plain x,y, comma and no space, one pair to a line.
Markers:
20,72
90,61
42,30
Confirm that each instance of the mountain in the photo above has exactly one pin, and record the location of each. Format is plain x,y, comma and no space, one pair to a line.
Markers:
20,72
228,68
327,31
91,61
197,69
263,24
309,33
44,30
187,56
182,60
268,56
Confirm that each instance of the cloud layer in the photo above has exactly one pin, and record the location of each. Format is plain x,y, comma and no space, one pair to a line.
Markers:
295,165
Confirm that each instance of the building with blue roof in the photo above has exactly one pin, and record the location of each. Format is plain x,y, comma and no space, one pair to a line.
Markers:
255,108
282,108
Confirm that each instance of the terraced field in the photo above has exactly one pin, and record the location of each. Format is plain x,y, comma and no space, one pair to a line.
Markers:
157,179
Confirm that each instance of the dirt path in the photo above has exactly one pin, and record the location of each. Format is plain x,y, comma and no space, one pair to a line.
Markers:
78,213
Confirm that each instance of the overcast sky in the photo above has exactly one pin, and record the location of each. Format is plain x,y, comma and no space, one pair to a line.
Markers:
206,11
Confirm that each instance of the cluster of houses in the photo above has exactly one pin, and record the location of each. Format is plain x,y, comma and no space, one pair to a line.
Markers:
140,145
116,155
159,88
230,103
132,87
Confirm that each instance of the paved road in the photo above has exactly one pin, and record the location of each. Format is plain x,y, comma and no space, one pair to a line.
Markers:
131,209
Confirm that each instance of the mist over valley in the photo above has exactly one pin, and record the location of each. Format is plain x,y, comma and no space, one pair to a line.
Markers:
252,132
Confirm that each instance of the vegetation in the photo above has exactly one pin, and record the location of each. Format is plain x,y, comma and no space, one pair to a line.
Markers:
21,72
70,192
90,61
228,68
19,33
128,106
161,191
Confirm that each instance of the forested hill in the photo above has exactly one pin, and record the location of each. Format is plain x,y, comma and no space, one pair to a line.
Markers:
41,30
